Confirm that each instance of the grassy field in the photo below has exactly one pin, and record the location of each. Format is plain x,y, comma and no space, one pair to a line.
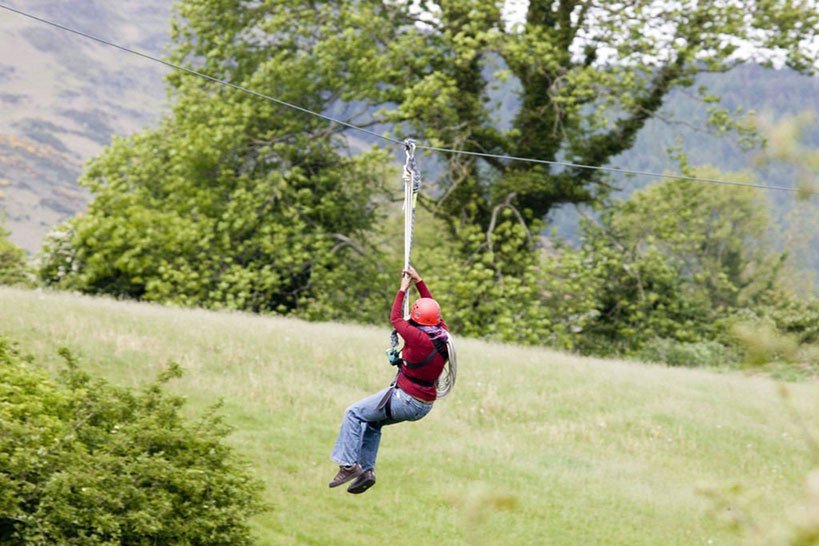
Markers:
533,446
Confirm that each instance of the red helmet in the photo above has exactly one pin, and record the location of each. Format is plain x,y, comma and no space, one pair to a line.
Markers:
426,311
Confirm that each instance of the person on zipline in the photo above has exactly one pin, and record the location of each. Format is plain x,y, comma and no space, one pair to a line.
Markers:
409,398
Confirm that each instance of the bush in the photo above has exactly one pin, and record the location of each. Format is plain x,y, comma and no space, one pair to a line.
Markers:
84,462
792,315
692,355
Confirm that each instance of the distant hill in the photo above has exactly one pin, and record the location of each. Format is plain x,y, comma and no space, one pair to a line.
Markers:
62,98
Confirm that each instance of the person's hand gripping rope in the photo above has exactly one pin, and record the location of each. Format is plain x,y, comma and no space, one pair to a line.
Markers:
408,276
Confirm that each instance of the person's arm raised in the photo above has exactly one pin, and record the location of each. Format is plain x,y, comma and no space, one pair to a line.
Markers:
420,285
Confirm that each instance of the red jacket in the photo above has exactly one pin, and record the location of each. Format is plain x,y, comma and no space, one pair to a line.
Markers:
417,346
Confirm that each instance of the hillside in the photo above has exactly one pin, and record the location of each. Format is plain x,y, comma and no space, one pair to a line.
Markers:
62,99
533,447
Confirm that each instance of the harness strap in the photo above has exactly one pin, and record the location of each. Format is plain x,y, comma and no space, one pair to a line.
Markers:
385,400
419,381
438,346
388,405
422,363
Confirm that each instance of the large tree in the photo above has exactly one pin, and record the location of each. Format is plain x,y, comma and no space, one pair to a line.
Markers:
586,75
241,202
229,203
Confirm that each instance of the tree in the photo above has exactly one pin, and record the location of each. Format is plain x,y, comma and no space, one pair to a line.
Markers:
587,75
676,259
86,463
222,206
238,202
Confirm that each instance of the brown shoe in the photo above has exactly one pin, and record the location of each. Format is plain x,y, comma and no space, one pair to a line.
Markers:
345,474
363,482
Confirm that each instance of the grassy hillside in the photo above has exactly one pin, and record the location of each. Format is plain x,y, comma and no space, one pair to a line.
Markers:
533,447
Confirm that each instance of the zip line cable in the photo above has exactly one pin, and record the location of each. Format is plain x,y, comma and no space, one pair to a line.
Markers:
612,169
200,74
387,138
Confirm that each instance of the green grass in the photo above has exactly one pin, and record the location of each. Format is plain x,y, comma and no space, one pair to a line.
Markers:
532,447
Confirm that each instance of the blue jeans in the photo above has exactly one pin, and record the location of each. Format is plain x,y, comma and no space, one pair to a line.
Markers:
360,431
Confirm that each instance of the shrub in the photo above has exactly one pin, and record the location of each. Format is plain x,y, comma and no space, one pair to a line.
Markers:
793,315
696,354
84,462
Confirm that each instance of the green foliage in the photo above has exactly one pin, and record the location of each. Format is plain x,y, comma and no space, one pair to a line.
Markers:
792,315
762,343
504,292
698,354
781,330
230,203
676,259
588,77
83,462
13,266
686,273
203,224
495,294
677,274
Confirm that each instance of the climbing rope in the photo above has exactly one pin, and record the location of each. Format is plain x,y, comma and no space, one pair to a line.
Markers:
447,378
412,184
